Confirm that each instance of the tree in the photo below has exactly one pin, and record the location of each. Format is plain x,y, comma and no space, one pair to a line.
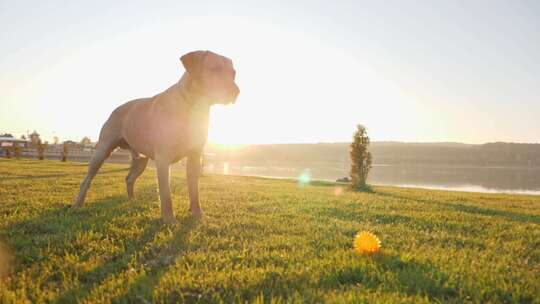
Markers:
86,141
65,151
360,159
56,140
17,151
41,147
35,139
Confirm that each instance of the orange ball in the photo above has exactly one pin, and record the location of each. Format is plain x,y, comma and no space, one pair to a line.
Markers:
366,242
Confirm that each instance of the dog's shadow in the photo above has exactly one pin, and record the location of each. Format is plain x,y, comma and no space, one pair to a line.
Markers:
56,232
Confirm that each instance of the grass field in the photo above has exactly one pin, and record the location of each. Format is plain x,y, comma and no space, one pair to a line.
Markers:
261,240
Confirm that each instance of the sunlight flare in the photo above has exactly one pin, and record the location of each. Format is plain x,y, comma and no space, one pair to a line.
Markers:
226,168
305,178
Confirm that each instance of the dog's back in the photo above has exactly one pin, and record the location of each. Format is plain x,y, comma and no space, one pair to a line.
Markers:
127,113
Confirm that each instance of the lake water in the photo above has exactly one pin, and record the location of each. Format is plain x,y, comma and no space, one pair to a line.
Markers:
473,179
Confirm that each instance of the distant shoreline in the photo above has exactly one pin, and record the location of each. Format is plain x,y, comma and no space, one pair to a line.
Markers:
480,178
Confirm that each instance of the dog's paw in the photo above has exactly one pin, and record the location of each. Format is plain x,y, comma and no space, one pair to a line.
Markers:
197,214
170,220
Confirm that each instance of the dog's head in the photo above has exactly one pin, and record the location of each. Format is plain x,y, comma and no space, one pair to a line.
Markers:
212,76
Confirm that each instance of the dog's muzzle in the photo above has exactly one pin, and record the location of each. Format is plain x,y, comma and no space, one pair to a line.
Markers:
236,93
233,95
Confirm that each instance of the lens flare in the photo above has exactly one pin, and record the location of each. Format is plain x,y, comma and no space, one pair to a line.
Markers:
226,168
338,191
305,178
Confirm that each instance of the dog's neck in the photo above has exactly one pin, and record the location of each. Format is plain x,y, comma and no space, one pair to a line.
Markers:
186,91
182,96
183,99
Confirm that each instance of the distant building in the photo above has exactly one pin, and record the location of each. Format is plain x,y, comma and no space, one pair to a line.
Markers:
73,145
10,143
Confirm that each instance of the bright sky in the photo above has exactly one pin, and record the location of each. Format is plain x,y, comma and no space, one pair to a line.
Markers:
308,71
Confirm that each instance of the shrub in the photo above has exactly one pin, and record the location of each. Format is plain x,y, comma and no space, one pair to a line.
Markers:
360,159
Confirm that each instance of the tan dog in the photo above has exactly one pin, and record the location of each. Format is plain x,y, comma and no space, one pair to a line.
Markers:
168,127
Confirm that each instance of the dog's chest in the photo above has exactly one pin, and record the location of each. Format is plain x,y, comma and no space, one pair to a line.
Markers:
187,139
197,137
191,132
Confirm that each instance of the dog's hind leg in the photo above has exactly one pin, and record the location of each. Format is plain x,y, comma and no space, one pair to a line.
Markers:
138,164
103,151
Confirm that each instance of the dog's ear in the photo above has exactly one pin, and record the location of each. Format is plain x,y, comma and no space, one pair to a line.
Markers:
193,61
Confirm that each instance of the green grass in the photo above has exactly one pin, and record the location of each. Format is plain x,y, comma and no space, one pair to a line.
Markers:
261,240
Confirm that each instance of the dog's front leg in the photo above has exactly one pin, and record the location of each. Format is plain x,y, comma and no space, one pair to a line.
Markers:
193,169
162,167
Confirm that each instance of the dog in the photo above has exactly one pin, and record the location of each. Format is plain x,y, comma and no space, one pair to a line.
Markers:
168,127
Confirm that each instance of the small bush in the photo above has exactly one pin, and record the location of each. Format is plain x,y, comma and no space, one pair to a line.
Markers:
360,159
